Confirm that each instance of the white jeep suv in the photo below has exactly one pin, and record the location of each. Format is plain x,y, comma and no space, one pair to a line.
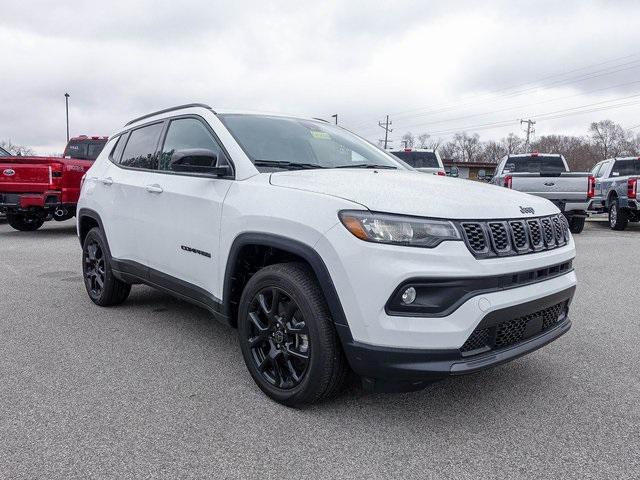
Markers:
325,252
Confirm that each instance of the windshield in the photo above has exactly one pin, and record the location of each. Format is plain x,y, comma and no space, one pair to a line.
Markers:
84,149
418,159
291,143
4,153
535,164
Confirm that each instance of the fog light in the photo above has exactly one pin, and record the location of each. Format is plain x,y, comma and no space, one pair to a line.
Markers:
409,295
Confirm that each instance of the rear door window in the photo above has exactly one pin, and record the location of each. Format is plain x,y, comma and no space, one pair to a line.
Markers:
140,151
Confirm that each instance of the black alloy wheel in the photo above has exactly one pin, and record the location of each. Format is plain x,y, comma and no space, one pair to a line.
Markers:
278,338
287,336
94,268
102,286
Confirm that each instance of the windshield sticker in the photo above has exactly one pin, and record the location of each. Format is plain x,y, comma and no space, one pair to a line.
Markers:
320,135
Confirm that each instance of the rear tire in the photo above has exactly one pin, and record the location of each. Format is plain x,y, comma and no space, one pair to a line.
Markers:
618,217
287,336
103,287
576,224
25,222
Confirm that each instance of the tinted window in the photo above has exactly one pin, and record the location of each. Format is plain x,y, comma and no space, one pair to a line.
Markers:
140,151
187,134
84,149
418,159
294,143
625,168
534,164
116,154
4,153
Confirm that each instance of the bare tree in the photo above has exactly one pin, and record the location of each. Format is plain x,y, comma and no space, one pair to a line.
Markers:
609,139
512,143
408,140
493,151
578,151
465,147
16,149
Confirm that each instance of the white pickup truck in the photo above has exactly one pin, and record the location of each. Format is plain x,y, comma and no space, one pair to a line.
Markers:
548,176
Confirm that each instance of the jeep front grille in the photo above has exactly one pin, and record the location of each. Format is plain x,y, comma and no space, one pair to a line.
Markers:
514,237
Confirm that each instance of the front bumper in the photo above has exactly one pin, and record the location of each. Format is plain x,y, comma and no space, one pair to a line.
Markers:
385,369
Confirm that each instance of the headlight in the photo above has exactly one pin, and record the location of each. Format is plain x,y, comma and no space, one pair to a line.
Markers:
398,229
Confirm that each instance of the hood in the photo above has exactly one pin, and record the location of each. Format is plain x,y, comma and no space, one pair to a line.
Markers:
412,193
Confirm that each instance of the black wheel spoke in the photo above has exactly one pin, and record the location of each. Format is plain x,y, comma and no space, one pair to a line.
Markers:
255,320
295,353
262,366
299,327
258,340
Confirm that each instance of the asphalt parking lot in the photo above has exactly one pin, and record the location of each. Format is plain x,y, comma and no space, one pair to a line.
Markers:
156,388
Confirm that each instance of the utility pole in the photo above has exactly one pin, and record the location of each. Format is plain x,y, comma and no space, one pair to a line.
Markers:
66,101
530,123
387,130
336,117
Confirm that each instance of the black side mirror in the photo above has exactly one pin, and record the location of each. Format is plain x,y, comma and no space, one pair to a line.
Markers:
198,160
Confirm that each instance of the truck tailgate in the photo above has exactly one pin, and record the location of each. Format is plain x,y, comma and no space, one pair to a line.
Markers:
24,175
567,186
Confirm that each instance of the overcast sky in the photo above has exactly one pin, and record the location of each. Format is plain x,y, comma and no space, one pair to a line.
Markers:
435,67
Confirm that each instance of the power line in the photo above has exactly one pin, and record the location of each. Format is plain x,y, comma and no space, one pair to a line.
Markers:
548,115
535,85
537,116
555,99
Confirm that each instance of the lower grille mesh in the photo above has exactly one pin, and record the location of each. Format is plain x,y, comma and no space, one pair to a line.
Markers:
511,332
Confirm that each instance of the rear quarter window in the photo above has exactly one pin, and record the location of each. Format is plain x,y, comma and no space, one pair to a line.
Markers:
625,168
418,159
534,164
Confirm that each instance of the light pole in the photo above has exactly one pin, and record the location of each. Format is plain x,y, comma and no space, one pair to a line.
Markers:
336,117
66,102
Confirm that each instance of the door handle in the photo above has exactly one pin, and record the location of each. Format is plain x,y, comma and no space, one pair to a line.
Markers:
155,188
107,181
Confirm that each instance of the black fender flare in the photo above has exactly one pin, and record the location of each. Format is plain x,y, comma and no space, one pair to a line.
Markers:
295,247
88,213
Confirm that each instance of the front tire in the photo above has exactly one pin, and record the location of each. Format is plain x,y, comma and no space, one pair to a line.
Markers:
576,224
103,287
618,217
25,222
287,336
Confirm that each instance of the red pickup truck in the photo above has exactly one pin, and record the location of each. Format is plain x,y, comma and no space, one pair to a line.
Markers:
36,189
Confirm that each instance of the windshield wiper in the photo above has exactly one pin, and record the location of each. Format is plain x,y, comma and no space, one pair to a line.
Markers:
366,165
286,165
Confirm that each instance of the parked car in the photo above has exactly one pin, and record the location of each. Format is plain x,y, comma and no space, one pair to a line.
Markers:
327,253
616,190
422,159
36,189
548,176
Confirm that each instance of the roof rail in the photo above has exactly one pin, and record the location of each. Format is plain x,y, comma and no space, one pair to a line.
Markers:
171,109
